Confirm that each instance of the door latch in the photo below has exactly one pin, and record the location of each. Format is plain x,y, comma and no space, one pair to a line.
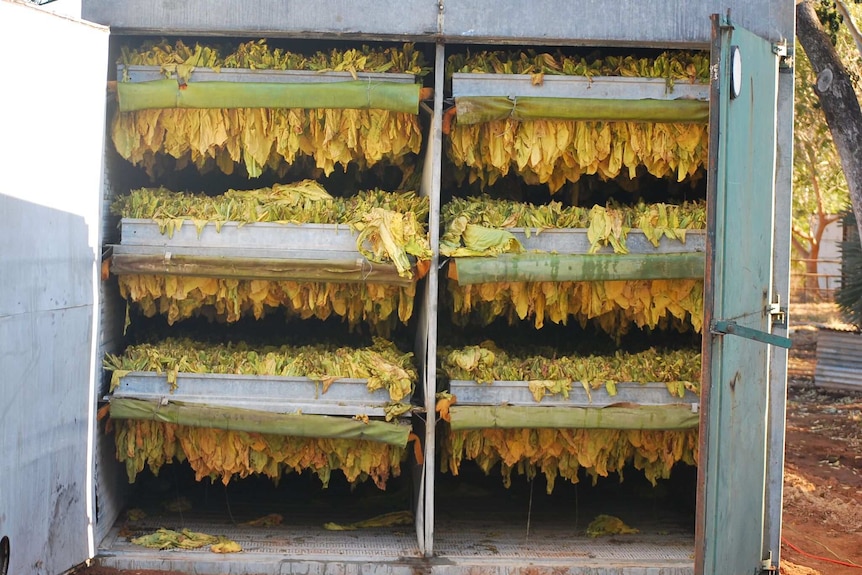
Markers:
777,313
777,318
725,327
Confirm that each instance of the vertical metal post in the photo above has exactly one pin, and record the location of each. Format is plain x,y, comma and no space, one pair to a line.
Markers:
434,152
781,287
708,291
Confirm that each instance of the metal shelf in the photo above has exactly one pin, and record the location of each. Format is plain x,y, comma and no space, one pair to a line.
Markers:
346,397
563,255
598,87
575,241
151,73
298,252
518,393
510,405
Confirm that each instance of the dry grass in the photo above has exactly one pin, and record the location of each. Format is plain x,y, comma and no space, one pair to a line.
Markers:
816,314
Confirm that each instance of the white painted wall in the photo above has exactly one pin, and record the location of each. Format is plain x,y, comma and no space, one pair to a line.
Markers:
829,262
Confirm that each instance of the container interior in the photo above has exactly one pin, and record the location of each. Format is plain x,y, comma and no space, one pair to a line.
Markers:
474,518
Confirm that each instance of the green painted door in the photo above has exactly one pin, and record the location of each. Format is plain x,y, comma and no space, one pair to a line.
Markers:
738,291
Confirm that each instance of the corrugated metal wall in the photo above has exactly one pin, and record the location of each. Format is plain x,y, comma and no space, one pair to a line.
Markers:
839,363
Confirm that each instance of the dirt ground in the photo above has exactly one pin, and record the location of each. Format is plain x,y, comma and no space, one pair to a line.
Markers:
822,472
822,522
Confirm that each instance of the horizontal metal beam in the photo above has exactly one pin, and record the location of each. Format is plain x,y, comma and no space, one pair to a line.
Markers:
348,270
577,267
615,417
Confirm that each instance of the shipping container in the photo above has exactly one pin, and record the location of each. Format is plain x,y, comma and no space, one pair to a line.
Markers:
477,470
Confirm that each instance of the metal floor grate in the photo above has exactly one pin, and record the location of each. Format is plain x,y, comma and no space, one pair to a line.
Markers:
289,541
467,544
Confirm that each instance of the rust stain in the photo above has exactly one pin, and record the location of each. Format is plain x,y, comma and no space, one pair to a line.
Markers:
733,381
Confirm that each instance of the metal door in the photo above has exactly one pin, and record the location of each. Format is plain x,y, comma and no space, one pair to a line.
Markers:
53,118
736,343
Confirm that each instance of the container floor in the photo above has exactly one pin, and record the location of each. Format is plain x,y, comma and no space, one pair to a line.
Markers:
486,522
479,528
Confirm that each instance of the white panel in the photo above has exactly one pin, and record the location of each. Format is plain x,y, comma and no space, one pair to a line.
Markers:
53,120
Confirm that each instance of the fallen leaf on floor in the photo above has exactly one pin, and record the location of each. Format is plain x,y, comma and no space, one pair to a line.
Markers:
608,525
385,520
265,521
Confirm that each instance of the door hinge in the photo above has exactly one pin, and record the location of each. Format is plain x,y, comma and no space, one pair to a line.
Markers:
780,48
777,313
768,566
785,61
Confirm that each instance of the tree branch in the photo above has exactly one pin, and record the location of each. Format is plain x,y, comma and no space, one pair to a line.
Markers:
837,99
851,24
800,247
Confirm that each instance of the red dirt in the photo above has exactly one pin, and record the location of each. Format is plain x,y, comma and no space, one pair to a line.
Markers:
823,475
823,471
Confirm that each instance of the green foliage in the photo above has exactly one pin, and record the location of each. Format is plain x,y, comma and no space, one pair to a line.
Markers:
849,295
819,185
829,17
827,13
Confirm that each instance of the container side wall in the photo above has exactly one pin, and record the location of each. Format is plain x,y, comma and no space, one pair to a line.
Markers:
591,22
549,21
53,121
272,18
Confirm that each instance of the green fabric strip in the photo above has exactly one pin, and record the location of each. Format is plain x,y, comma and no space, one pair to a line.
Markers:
237,419
358,94
578,267
674,416
478,109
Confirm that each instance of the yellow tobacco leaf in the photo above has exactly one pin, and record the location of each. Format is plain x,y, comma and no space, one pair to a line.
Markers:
226,546
393,519
608,525
444,401
540,388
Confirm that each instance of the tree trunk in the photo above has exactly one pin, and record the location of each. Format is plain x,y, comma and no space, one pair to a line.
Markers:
837,98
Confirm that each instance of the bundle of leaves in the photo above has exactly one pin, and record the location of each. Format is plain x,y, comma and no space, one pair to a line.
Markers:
466,218
565,452
218,454
613,306
382,363
673,66
553,152
258,55
379,306
555,373
391,225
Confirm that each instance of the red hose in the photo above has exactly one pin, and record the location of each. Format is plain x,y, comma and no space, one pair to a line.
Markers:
819,558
